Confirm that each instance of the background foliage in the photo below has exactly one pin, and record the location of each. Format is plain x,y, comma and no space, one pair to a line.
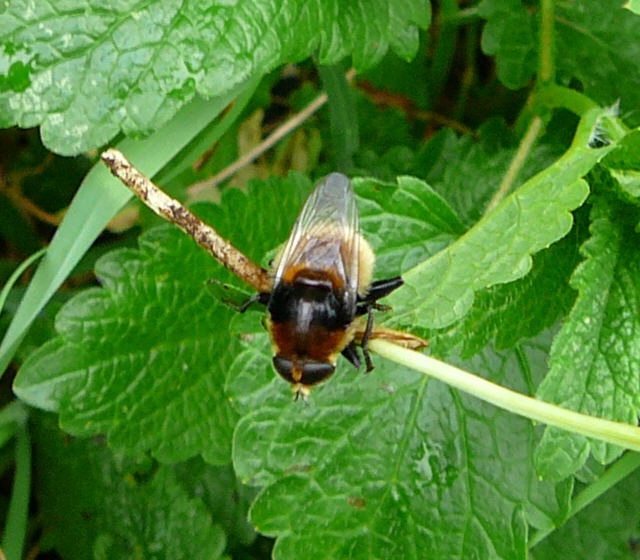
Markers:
496,161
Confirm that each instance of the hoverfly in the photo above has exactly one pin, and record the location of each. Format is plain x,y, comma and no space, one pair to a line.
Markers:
321,283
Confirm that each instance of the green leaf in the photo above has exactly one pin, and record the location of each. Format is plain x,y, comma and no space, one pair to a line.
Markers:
503,315
608,528
633,5
389,464
595,44
157,520
596,356
111,508
498,248
510,35
381,128
86,72
128,365
225,497
623,164
598,42
405,223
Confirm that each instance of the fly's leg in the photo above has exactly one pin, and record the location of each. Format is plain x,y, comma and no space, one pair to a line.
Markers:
234,297
351,353
380,289
260,297
365,340
367,304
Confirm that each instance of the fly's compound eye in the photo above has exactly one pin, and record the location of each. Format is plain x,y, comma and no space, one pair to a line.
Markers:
310,373
284,367
316,372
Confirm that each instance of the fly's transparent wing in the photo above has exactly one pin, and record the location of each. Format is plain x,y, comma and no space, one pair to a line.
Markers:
325,235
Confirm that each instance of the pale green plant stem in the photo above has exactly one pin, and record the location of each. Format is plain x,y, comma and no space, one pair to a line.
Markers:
546,75
617,433
15,529
6,289
546,66
517,162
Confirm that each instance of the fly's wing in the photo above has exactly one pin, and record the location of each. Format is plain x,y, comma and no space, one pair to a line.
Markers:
325,235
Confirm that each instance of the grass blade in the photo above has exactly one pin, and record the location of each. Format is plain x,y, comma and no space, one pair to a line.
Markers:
15,529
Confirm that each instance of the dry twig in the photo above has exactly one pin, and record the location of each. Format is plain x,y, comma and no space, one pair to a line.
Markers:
170,209
266,144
